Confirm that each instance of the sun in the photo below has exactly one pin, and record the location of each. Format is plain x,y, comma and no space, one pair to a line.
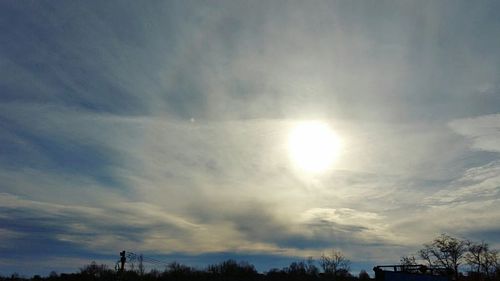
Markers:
313,146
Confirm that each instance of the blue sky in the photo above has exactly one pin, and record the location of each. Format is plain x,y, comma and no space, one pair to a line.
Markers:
161,128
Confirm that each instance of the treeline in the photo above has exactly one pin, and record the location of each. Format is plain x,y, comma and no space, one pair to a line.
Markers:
463,259
229,270
460,259
334,266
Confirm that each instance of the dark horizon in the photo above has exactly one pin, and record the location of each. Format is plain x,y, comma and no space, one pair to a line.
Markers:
447,256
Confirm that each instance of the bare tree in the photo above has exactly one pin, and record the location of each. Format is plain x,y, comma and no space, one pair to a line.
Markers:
476,255
482,259
409,263
94,271
335,264
491,263
445,251
426,256
363,275
311,268
141,266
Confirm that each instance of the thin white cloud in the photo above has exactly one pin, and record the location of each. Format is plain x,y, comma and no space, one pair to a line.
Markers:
191,175
482,131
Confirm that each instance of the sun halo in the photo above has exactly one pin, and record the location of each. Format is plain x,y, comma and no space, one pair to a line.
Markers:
313,146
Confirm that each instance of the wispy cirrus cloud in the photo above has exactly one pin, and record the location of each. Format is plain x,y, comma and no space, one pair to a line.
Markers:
482,131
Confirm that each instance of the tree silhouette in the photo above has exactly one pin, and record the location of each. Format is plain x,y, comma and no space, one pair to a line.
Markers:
363,275
232,270
445,251
140,267
408,264
481,258
335,264
95,271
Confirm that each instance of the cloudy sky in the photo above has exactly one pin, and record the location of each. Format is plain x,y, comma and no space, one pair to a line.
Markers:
162,127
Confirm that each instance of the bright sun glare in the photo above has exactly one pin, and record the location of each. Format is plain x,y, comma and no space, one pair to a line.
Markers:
313,146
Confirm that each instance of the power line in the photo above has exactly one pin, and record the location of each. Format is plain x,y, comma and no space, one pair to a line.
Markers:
134,257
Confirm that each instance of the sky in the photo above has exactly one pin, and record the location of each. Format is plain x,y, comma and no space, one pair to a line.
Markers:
161,128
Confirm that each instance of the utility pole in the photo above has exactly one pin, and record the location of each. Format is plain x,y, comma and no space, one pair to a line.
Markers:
123,259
